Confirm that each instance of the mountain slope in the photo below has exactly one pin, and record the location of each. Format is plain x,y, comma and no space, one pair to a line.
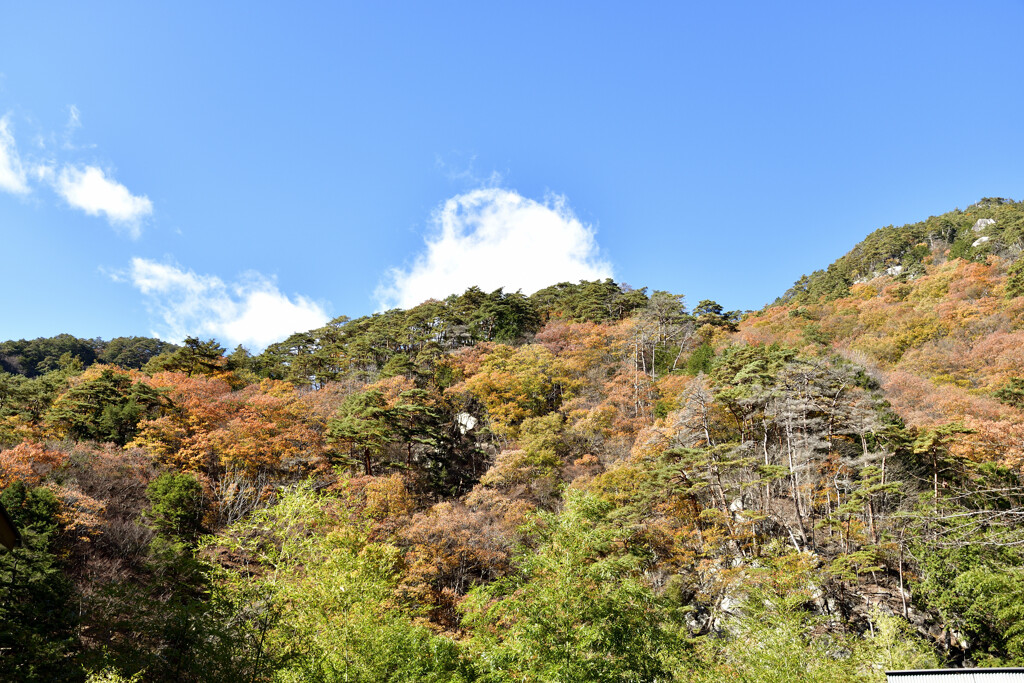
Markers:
943,333
592,483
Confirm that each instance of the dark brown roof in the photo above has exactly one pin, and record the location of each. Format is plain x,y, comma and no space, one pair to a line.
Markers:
9,535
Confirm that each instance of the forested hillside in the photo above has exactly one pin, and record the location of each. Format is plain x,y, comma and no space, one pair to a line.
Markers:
591,483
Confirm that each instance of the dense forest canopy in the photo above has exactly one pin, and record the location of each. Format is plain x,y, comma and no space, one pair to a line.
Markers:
590,483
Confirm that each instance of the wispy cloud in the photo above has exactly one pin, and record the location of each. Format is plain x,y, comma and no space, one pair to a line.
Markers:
74,119
251,311
85,187
74,122
493,238
13,177
90,190
461,168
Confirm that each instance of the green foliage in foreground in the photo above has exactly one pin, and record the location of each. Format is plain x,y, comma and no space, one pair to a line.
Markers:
977,587
335,592
577,610
777,640
182,628
37,617
313,597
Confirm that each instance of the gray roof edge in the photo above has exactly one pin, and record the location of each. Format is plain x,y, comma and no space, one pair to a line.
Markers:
932,672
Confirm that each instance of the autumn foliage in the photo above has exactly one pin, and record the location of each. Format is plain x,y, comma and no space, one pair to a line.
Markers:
589,483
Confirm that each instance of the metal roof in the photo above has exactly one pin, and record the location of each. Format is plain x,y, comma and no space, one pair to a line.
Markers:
994,675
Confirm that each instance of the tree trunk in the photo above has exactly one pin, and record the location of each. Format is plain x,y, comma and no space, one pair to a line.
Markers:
794,482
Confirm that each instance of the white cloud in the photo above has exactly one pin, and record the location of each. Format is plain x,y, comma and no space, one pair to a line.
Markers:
252,312
494,238
87,188
12,174
90,190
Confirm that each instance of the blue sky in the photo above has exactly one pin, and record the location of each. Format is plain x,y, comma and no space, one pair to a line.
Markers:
239,169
